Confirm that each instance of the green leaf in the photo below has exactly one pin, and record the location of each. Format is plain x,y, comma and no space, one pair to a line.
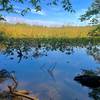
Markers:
38,8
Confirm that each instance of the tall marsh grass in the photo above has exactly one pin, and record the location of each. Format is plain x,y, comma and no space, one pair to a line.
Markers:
26,31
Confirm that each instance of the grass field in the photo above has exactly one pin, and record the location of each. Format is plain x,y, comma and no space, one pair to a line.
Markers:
26,31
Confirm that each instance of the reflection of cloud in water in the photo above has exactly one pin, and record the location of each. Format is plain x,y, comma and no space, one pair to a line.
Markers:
58,91
48,92
23,84
4,85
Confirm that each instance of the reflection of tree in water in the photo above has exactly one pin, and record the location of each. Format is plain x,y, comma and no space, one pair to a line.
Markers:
90,79
21,49
49,70
28,49
94,51
25,49
5,75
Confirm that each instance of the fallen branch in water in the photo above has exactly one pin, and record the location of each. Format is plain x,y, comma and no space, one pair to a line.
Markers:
13,92
24,95
21,93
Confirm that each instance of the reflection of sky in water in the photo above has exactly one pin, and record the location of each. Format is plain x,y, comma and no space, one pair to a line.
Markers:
39,76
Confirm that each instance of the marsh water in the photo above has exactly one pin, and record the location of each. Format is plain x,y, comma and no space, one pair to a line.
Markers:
48,68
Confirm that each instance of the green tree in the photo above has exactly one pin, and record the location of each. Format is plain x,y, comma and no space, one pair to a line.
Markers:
93,16
8,5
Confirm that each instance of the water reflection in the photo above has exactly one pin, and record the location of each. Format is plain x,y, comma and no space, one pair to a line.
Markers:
5,75
49,70
95,52
36,48
25,49
47,67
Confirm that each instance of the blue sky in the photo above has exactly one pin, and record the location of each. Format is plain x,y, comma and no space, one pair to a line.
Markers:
51,15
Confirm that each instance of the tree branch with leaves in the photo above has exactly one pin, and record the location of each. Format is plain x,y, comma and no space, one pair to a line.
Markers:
9,5
93,16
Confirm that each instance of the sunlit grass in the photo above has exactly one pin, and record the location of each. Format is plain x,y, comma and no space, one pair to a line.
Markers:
26,31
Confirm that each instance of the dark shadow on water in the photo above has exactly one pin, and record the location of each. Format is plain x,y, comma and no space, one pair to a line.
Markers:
90,79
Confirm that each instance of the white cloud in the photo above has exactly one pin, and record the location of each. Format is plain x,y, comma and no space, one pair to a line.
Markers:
80,12
70,20
38,12
14,20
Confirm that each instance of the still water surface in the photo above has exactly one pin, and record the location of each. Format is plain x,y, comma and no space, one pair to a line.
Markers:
49,70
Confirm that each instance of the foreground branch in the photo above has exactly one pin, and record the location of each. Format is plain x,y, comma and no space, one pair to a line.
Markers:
22,93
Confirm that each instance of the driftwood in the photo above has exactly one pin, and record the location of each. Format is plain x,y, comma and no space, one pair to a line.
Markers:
21,93
13,88
25,96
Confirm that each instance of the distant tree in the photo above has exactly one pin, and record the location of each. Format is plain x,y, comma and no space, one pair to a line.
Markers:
9,5
93,16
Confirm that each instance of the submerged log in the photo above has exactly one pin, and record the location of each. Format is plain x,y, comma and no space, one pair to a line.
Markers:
88,80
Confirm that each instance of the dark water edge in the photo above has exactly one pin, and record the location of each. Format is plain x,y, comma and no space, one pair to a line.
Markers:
59,41
71,51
